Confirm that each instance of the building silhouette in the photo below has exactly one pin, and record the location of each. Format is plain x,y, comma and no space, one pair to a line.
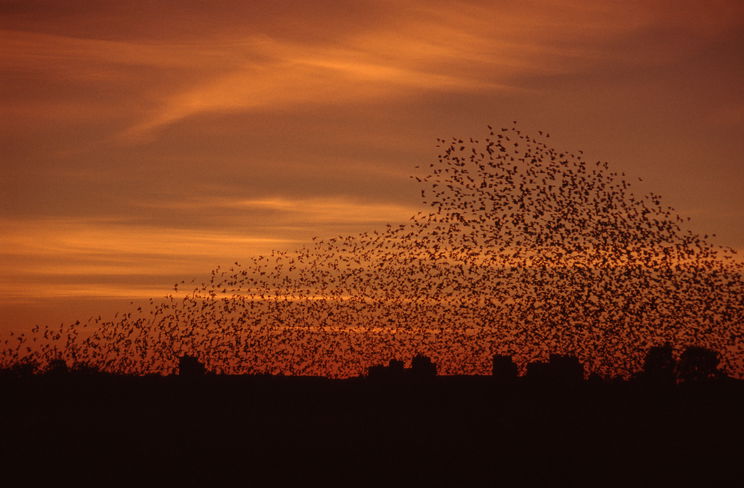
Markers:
559,369
422,367
504,369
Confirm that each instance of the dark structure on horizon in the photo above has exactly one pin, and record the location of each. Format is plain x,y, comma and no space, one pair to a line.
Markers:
421,368
559,369
504,369
546,428
696,364
190,366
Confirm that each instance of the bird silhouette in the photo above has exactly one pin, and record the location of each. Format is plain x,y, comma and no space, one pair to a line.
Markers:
524,250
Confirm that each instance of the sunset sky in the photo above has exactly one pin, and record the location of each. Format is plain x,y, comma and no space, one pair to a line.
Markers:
147,142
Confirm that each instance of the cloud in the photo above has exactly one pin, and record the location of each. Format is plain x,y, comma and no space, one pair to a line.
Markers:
380,51
40,258
428,47
49,257
283,120
295,75
311,210
472,49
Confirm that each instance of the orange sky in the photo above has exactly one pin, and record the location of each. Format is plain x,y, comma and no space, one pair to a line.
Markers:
144,144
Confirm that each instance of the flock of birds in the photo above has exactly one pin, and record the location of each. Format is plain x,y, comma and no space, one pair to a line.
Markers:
525,250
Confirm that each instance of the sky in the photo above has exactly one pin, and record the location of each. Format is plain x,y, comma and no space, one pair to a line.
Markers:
142,143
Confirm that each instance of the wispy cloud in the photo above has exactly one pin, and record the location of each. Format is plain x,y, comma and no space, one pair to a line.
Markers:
296,75
43,254
415,48
311,210
475,49
269,122
36,254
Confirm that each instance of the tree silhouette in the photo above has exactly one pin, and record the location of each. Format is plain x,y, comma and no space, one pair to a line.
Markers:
20,369
660,365
190,366
82,368
394,369
698,364
57,366
422,366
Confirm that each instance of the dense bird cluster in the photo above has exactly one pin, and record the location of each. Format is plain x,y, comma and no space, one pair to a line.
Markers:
525,250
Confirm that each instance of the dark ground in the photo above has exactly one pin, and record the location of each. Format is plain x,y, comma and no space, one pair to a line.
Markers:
441,431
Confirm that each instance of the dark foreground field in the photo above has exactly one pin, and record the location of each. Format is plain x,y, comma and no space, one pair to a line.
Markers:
440,431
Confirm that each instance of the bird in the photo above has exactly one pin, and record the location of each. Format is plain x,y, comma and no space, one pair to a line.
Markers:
519,248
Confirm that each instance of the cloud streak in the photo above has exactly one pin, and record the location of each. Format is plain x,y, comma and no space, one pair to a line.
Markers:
142,145
42,255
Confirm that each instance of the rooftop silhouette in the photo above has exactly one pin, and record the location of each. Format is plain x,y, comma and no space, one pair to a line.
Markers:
547,427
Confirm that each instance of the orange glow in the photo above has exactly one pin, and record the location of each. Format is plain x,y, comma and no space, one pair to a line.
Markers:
140,148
